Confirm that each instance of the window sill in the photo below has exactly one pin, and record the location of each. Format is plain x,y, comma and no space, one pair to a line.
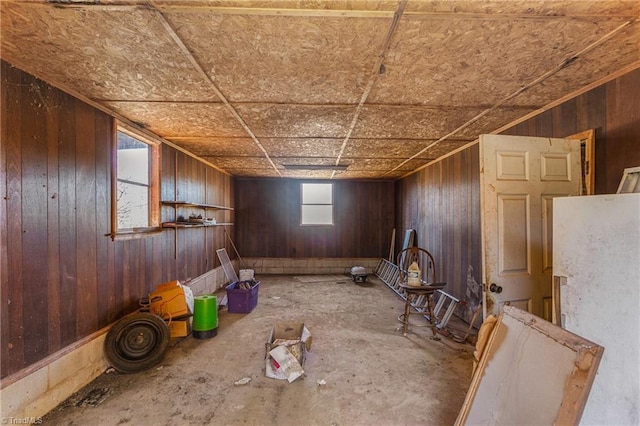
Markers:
134,234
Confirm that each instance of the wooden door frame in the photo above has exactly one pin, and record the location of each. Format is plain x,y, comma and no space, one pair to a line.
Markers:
588,138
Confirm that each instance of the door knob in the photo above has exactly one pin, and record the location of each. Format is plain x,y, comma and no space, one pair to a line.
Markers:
495,288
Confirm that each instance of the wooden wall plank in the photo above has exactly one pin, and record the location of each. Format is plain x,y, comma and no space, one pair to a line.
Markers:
565,119
87,319
119,283
4,267
67,220
12,338
34,230
622,112
53,233
104,256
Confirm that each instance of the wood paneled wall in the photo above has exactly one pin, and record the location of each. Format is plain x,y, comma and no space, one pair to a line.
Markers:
268,220
62,278
613,110
442,201
185,179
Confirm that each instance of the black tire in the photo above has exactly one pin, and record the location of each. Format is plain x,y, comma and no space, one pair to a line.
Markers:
137,342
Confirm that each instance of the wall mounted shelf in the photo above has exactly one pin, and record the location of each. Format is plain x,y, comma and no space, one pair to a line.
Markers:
200,223
193,225
197,205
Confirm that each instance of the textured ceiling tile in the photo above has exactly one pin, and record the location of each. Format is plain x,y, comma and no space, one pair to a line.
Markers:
463,62
284,59
369,174
372,164
310,147
492,122
259,173
444,147
116,54
169,119
297,121
383,148
397,122
282,6
307,161
207,147
295,71
549,9
308,174
230,163
620,50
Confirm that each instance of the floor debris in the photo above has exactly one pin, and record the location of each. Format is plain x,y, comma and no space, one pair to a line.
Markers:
243,381
94,398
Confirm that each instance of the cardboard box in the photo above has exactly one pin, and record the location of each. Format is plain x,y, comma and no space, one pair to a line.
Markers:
180,328
286,347
171,301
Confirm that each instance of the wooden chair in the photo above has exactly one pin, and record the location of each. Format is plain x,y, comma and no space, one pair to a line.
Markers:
428,286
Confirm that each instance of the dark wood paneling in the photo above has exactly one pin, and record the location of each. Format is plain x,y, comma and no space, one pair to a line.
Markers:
86,285
53,208
34,229
441,202
623,128
4,267
104,248
62,277
67,220
268,220
12,298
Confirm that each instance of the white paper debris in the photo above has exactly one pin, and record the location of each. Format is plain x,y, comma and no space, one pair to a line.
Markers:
242,381
287,362
322,382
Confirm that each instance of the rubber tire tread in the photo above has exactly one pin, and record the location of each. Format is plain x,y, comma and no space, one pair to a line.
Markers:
126,365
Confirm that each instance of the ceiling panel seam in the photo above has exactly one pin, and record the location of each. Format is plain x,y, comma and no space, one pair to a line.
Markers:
529,85
177,6
278,11
374,77
176,38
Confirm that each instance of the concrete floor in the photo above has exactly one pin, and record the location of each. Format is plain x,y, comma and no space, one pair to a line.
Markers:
373,375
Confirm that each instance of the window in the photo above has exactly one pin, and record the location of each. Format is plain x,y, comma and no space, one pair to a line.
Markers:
317,204
136,189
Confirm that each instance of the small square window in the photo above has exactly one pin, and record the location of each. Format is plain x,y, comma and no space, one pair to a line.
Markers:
317,204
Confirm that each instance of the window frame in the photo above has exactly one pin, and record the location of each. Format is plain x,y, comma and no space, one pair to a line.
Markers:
154,185
332,204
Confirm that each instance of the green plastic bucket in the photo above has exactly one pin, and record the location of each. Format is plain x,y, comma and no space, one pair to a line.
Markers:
205,316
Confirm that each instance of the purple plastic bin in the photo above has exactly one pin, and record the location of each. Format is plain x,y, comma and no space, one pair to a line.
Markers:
241,301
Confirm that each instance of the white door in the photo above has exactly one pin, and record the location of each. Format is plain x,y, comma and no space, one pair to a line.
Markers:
519,177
